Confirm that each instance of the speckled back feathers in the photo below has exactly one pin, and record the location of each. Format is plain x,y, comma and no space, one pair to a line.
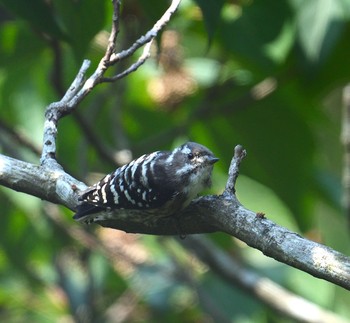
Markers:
162,182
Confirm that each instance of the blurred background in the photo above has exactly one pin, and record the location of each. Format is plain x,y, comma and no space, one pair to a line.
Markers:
269,75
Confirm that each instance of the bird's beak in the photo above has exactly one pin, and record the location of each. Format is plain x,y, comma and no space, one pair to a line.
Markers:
212,160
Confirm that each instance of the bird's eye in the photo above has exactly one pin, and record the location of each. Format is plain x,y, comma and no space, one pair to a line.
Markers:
190,156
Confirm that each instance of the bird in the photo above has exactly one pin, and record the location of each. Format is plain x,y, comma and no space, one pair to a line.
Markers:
155,185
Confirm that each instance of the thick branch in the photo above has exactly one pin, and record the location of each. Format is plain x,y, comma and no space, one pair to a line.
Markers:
224,213
278,242
206,214
53,185
345,138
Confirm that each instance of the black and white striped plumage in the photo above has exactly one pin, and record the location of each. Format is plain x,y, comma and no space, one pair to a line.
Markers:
159,184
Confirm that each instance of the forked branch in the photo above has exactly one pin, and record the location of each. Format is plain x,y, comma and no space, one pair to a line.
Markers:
82,86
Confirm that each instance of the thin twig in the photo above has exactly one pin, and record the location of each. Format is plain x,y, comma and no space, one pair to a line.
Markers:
345,138
54,112
150,35
114,33
146,40
80,118
239,154
78,81
145,55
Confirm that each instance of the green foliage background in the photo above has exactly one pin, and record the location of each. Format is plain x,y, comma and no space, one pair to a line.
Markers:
298,49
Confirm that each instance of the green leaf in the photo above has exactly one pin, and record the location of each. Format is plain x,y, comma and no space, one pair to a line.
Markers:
248,33
153,9
82,20
211,10
319,24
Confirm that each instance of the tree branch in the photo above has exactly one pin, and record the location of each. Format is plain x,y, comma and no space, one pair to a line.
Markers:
234,273
145,55
54,112
150,35
206,214
80,87
239,155
53,185
345,138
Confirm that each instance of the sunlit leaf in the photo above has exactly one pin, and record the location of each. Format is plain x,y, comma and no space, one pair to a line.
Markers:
319,24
